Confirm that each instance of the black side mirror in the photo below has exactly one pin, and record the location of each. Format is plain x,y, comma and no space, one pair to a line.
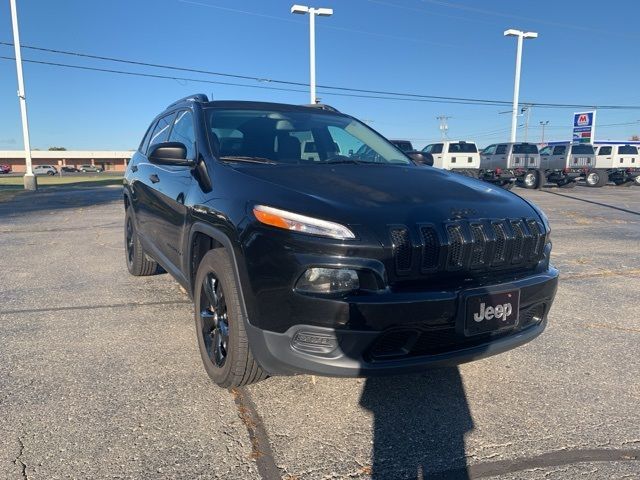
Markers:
421,158
170,153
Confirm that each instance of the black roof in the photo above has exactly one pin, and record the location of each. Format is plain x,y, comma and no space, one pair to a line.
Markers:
202,99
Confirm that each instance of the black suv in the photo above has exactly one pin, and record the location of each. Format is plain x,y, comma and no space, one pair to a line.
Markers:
330,263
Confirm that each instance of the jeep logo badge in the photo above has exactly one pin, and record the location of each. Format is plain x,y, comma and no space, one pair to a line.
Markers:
499,312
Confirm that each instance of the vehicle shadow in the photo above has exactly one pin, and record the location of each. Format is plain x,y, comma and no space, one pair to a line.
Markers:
419,424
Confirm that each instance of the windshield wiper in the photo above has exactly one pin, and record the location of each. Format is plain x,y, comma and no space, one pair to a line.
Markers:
343,159
240,158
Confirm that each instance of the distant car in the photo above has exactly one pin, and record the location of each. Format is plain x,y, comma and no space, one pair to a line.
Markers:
90,169
67,169
5,168
404,145
45,170
457,156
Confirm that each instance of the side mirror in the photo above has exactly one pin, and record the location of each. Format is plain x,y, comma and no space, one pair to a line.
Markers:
170,153
421,158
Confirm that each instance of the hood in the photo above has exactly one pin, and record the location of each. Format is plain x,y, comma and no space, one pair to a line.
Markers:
356,194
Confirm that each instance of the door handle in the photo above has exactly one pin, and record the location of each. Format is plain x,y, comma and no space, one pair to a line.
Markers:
154,178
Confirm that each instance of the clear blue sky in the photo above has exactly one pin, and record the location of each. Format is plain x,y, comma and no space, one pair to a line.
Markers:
587,53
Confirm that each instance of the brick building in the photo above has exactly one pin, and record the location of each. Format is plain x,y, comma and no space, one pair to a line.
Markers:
109,161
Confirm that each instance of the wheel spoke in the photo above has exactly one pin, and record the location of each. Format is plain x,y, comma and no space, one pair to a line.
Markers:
210,284
209,321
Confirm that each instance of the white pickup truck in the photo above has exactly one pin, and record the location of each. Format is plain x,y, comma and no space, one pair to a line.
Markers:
615,162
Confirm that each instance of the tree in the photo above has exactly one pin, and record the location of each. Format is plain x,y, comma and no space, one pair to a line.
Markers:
635,138
57,149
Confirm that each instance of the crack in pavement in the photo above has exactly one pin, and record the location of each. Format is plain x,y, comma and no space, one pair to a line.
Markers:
95,307
260,447
18,460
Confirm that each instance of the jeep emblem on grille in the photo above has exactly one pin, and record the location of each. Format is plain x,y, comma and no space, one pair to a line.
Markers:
462,213
498,312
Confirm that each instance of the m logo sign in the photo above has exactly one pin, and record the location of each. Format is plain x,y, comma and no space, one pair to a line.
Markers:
583,120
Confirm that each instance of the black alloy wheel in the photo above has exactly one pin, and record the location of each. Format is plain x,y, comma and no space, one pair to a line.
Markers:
214,320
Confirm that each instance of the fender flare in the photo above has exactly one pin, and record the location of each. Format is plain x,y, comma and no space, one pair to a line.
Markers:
225,241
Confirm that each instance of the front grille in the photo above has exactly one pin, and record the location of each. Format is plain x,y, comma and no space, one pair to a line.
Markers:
467,246
401,249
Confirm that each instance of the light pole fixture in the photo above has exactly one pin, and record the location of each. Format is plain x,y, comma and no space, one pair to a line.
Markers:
323,12
30,182
543,124
516,88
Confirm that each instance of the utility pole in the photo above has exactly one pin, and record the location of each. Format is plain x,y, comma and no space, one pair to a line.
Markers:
30,182
543,124
516,87
444,126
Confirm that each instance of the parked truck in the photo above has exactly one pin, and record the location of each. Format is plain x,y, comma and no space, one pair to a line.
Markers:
564,163
615,162
455,155
505,163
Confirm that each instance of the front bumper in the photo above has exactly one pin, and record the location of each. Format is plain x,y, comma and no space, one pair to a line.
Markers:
348,351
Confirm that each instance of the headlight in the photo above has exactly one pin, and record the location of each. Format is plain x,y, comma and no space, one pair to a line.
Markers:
328,280
301,223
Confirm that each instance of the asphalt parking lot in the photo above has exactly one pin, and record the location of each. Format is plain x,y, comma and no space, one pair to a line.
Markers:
100,376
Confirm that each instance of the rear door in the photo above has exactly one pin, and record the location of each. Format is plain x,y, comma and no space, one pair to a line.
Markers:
558,159
436,151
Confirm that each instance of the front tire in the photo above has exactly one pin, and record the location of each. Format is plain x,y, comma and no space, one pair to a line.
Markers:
220,324
138,263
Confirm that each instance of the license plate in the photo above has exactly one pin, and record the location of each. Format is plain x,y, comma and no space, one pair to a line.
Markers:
489,312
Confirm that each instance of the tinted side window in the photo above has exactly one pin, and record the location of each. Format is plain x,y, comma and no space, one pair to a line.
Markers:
627,150
427,149
501,149
144,144
437,148
161,131
546,150
559,150
490,150
604,151
183,132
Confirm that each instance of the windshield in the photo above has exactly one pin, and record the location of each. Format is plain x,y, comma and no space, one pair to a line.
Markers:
272,136
582,150
462,147
528,148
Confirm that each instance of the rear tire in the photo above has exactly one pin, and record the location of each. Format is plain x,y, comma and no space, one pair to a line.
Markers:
596,178
220,324
138,263
531,179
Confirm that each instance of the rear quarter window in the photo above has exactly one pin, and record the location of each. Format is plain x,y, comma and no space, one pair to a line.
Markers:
627,150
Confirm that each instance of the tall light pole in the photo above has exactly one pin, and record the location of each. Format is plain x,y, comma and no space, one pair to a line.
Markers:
323,12
30,182
543,124
516,89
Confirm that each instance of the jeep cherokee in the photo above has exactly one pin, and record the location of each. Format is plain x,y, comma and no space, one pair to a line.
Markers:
340,263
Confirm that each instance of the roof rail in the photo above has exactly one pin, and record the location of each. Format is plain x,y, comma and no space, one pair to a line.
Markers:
323,106
196,97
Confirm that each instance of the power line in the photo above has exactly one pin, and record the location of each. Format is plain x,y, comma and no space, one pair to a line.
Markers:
379,94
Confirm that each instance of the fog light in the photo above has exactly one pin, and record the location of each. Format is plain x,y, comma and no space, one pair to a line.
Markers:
328,280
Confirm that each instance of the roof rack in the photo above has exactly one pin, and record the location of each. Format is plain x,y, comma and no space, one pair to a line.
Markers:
322,106
196,97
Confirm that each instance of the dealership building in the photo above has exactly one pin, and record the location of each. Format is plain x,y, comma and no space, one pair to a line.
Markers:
114,161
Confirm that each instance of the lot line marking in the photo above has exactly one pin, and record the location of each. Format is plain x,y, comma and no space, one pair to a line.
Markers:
552,459
93,307
591,201
260,447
